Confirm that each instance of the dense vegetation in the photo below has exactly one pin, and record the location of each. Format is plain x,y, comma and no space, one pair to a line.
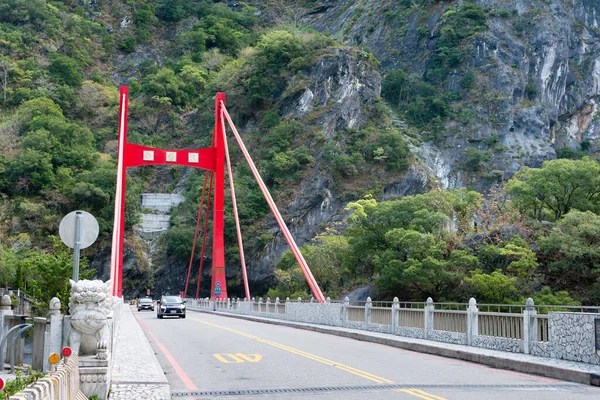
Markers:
538,236
60,65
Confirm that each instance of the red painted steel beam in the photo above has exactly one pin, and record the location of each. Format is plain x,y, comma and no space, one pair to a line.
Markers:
235,215
218,288
312,283
198,218
206,215
136,156
116,257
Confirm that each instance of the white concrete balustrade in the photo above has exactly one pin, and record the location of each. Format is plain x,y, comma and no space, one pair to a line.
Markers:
567,333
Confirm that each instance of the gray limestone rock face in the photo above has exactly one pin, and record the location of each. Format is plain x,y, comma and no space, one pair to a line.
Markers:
343,82
538,64
340,92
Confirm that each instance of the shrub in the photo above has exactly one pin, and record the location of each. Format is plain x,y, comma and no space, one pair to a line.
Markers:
128,44
65,70
473,158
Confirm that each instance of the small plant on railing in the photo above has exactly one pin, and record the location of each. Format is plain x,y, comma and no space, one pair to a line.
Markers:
94,397
21,380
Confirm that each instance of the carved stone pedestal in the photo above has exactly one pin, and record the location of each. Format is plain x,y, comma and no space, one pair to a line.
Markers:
94,376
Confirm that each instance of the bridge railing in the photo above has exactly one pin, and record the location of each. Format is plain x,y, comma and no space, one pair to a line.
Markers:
520,328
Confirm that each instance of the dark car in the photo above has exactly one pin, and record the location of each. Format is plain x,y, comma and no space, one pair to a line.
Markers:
170,306
145,304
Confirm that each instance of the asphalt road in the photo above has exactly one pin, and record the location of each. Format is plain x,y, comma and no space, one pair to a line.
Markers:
211,357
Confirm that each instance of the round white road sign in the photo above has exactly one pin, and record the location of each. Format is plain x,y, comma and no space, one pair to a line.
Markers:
88,226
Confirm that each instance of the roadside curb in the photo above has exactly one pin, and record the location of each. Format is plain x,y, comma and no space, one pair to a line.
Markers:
571,371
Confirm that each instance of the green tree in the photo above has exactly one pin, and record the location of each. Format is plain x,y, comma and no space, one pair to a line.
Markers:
557,187
572,253
31,171
395,88
494,288
166,84
65,70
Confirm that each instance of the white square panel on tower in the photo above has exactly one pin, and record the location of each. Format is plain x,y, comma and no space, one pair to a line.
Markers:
193,157
148,155
171,156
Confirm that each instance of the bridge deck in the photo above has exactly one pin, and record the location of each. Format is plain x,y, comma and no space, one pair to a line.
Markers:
211,356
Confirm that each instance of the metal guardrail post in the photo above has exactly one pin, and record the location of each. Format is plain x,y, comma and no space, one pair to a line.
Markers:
3,341
12,346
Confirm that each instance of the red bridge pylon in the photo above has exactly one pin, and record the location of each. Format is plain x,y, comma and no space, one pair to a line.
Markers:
211,159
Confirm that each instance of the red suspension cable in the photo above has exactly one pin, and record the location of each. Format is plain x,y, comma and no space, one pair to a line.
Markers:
187,281
235,215
312,283
204,235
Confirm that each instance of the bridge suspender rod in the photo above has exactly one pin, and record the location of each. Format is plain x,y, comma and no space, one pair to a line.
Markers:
204,236
187,280
235,215
312,283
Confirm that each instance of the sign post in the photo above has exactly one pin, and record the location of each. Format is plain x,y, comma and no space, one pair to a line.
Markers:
78,230
77,245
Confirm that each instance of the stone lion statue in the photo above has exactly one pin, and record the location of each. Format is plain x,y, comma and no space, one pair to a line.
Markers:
90,305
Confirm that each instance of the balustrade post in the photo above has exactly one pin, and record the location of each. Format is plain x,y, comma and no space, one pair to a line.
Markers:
429,310
268,305
259,304
529,326
345,306
5,309
299,300
472,321
276,305
368,306
395,313
228,304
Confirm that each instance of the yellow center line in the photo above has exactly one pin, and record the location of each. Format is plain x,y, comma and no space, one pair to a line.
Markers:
377,379
413,392
431,396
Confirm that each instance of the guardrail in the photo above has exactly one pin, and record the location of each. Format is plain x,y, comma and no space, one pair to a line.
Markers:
531,329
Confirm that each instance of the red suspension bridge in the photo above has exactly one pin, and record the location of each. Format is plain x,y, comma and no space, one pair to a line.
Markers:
213,160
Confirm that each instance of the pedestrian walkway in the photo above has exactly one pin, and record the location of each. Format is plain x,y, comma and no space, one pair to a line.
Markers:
136,375
548,367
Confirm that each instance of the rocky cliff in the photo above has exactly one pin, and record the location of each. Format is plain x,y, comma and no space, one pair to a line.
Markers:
536,67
